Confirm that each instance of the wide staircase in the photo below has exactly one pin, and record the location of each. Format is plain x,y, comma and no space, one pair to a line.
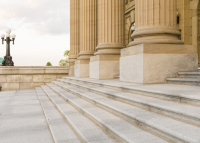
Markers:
104,111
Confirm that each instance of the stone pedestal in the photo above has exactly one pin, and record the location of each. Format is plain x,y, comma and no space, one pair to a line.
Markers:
104,66
71,62
153,63
81,68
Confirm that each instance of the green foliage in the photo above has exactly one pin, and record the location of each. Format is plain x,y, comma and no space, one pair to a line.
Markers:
63,62
67,53
48,64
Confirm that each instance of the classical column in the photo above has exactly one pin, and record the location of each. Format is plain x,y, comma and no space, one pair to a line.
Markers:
88,36
105,63
156,52
74,34
156,22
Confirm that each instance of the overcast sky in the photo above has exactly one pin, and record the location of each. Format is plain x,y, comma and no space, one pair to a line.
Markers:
42,30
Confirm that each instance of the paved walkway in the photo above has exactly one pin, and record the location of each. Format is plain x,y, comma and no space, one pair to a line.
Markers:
22,119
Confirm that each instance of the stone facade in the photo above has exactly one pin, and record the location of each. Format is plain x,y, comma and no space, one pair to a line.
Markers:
106,33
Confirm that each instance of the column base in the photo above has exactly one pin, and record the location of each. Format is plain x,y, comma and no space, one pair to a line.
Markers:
153,63
72,59
104,66
71,68
81,68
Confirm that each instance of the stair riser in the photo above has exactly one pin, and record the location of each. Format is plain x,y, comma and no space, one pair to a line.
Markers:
184,82
106,128
189,76
176,98
131,119
82,138
180,116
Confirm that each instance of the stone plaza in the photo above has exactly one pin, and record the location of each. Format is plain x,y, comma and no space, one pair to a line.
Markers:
133,77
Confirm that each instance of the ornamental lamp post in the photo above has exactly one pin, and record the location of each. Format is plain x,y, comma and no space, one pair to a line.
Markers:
8,59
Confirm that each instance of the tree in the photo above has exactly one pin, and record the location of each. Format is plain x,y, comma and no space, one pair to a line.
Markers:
67,53
63,62
48,64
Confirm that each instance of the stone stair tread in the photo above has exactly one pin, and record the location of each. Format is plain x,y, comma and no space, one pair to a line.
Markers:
183,79
182,109
124,129
5,98
171,126
23,120
84,127
168,90
59,128
186,81
195,73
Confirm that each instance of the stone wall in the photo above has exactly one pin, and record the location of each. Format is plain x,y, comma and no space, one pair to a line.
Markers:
23,78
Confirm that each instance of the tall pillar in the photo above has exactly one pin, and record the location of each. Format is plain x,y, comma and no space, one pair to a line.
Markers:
88,36
74,34
156,22
156,52
105,63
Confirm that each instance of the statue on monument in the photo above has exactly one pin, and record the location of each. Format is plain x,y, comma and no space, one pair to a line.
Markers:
8,59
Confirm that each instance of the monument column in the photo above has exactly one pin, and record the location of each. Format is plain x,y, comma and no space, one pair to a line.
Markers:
105,63
88,36
74,34
156,52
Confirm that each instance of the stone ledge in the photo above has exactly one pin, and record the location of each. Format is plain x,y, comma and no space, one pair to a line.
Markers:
33,67
20,78
158,49
33,70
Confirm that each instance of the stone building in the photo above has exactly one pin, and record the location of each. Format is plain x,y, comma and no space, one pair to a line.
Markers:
102,45
142,42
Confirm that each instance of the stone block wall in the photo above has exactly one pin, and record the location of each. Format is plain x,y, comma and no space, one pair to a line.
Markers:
23,78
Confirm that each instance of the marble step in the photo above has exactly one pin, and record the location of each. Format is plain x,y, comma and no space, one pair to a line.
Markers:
60,129
185,81
189,74
121,129
87,130
190,113
179,93
174,130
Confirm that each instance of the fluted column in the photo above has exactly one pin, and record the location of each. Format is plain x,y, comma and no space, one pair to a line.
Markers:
74,34
88,29
111,32
88,36
156,22
110,27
